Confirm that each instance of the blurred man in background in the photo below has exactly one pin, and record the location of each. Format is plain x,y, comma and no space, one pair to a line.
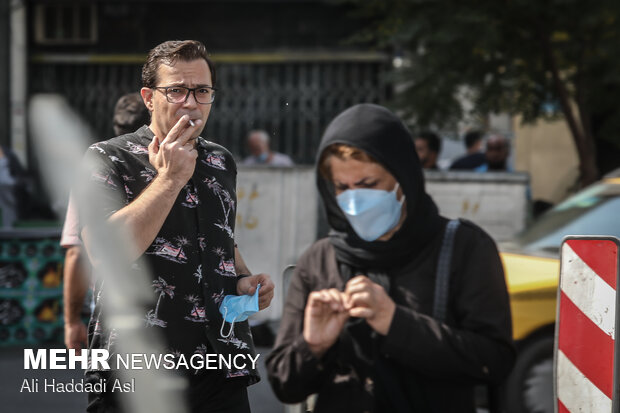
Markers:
129,114
11,177
496,155
261,154
428,146
474,156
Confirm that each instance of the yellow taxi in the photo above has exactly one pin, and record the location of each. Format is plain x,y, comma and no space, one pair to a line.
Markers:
532,267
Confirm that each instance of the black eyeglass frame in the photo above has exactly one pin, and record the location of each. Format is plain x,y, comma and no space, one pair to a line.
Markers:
189,90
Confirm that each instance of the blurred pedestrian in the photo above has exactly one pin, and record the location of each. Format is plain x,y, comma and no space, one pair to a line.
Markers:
19,199
261,154
474,156
130,113
11,179
363,324
428,146
496,155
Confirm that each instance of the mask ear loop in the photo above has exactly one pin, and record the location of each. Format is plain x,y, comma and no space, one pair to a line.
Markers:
395,190
232,325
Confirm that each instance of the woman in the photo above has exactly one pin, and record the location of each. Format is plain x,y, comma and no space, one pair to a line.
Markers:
357,326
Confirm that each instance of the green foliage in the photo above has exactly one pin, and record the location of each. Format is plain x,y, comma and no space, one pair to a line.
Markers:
504,51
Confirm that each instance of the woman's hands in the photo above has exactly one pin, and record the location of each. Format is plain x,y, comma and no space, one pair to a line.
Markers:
327,311
324,318
370,301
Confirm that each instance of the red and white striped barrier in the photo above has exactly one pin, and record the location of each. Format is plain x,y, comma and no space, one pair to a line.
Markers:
585,362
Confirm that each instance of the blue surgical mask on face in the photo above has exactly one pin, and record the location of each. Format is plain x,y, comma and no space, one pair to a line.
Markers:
238,308
371,212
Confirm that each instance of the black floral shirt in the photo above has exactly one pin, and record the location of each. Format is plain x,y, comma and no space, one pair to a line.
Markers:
190,262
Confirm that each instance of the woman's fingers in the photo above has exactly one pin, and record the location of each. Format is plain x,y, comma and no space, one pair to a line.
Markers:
361,312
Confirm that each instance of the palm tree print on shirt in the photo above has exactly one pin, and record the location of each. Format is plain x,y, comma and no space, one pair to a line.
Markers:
218,297
202,350
216,161
170,251
198,273
137,148
197,313
225,267
191,197
163,288
241,345
228,204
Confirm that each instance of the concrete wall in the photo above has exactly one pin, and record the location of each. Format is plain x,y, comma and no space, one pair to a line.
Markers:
498,202
277,217
278,214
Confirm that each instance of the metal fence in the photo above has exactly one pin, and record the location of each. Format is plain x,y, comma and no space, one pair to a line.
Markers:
292,99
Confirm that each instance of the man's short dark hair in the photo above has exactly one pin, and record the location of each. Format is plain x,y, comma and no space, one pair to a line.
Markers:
129,114
471,138
432,140
169,52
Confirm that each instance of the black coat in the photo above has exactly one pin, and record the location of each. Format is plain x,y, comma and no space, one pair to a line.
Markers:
437,365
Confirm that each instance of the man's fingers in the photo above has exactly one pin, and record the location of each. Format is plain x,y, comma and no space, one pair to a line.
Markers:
154,145
266,285
176,130
182,131
263,302
187,135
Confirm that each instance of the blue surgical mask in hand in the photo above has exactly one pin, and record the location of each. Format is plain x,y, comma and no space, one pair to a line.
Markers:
371,212
238,308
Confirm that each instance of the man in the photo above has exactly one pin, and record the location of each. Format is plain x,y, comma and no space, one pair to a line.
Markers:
474,156
130,113
496,155
261,154
428,146
174,193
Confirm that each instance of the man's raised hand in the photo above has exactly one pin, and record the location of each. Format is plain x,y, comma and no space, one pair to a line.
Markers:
174,158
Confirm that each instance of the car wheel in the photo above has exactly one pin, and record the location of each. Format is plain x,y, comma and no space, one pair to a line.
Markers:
529,388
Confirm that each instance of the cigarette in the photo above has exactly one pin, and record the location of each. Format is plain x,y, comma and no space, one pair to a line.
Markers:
191,123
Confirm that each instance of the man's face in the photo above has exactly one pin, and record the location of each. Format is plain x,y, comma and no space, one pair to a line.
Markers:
496,153
422,149
427,157
257,144
164,115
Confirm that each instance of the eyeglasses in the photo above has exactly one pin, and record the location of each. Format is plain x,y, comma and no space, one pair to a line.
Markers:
179,94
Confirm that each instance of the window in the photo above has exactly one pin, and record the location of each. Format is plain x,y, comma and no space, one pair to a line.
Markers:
65,23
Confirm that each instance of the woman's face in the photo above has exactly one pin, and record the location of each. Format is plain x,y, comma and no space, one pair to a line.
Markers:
354,174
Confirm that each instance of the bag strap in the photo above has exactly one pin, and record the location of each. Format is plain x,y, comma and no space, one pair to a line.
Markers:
440,305
442,282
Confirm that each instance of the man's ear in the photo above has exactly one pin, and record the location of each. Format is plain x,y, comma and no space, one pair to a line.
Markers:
147,97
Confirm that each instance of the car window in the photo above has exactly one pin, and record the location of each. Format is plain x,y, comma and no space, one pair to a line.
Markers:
592,211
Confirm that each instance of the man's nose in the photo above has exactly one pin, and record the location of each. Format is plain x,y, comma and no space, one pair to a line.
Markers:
191,99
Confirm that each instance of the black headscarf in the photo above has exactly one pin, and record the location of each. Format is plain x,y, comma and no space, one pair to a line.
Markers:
379,133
